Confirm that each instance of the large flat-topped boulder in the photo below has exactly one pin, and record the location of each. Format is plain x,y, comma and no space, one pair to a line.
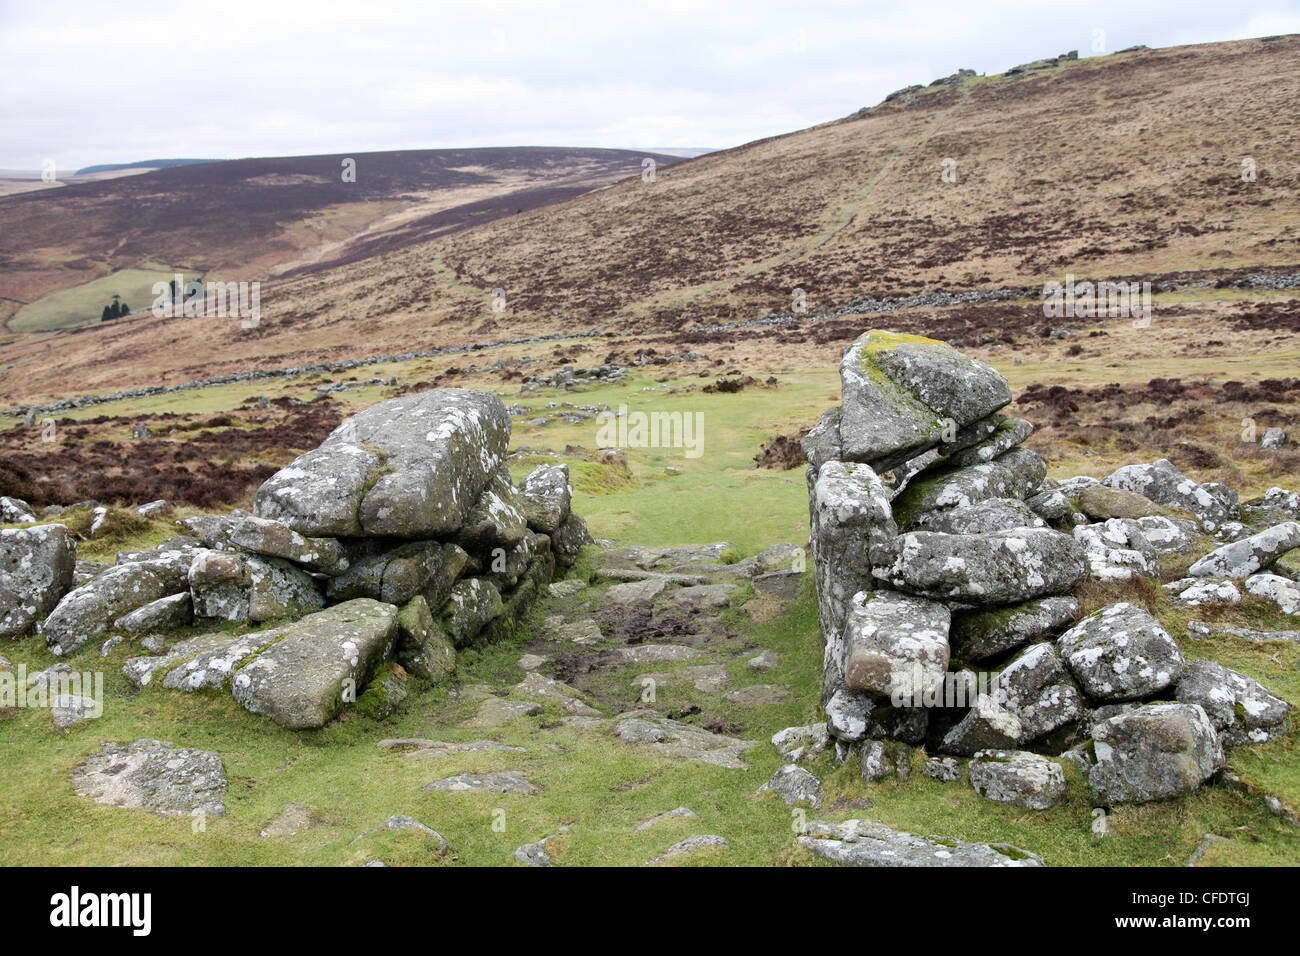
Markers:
320,664
902,394
412,467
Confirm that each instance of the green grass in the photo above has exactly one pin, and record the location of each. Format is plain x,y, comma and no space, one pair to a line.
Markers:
599,787
719,496
83,304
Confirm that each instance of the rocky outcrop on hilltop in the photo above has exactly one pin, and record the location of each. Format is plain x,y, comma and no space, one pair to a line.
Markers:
374,556
946,563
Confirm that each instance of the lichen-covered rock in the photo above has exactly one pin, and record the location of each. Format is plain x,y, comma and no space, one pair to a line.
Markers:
1241,710
870,843
569,539
1017,777
395,576
1241,559
1101,503
982,634
423,648
1192,592
895,646
154,775
1164,484
36,570
212,669
900,393
1038,689
1009,433
546,498
16,511
983,517
473,603
412,467
1033,697
1272,507
1118,550
822,443
1153,753
243,587
988,725
277,540
497,519
164,614
1016,474
794,785
90,610
141,671
1051,505
1283,592
213,531
319,666
853,715
1168,535
852,531
1120,653
1002,568
885,760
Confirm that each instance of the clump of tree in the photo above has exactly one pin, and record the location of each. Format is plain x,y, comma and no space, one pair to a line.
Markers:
114,310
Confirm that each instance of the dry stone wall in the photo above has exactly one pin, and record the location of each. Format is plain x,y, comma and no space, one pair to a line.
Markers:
946,564
374,556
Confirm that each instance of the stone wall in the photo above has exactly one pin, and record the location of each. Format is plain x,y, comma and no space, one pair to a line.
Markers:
946,565
376,555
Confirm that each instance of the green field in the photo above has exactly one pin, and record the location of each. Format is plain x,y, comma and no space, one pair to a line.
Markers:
83,304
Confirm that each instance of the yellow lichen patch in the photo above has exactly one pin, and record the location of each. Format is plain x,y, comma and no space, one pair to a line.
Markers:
877,341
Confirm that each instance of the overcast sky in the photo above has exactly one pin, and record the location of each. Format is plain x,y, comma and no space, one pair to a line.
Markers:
94,82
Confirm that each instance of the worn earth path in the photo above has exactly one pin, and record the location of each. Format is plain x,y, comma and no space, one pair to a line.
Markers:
611,678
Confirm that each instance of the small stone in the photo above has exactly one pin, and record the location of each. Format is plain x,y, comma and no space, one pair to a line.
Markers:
764,661
534,854
403,822
636,592
759,695
495,712
505,782
680,813
946,769
530,662
1017,777
689,845
793,784
71,709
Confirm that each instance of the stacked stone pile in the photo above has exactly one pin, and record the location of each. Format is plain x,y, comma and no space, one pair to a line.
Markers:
946,563
376,555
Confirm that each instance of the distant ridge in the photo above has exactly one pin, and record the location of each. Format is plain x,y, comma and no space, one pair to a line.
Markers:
143,164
